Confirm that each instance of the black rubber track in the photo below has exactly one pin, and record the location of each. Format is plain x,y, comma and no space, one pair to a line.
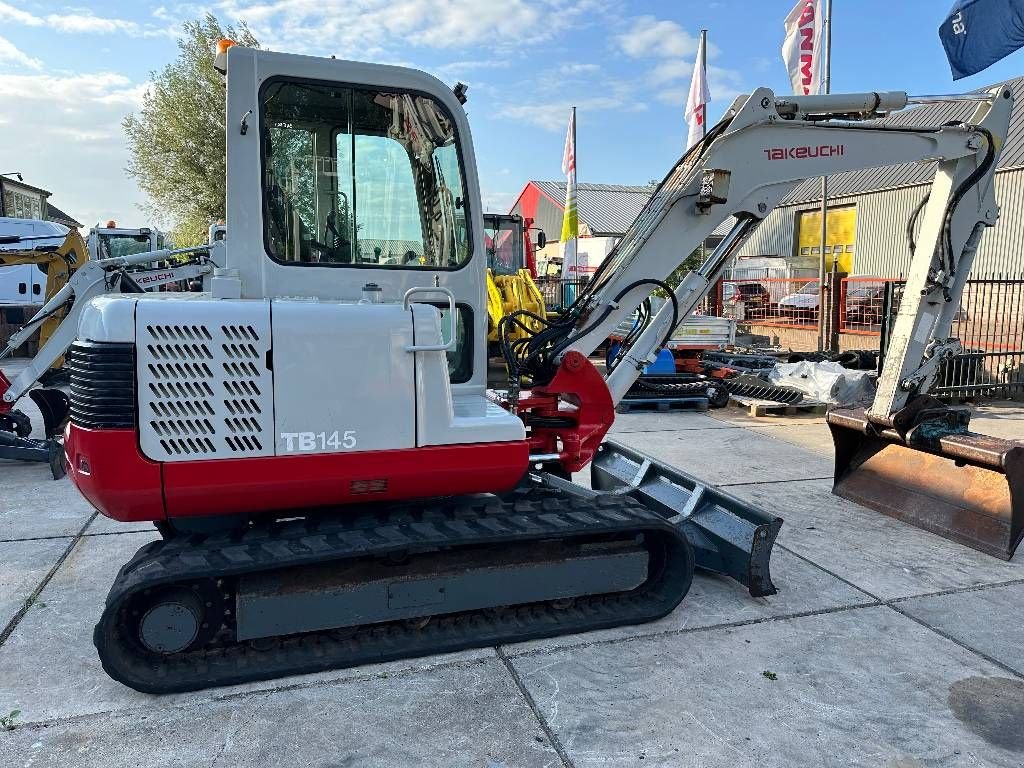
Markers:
475,521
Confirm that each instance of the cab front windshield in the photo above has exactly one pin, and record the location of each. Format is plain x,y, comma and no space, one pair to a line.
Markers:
355,177
111,245
504,243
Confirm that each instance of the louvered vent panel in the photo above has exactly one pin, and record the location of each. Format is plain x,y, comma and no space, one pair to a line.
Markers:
204,388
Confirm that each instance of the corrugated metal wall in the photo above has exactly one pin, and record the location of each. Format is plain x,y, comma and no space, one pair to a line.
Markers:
882,248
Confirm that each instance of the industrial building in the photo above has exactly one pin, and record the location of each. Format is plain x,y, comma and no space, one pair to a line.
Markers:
605,212
869,211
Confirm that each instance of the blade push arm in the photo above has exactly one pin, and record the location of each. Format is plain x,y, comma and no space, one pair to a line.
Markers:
749,162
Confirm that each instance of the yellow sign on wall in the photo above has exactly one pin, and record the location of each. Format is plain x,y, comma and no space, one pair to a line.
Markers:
840,236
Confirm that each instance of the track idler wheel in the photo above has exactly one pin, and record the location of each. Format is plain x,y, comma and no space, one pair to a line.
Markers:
176,619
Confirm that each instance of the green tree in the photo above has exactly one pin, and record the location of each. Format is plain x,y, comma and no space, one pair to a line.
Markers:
176,142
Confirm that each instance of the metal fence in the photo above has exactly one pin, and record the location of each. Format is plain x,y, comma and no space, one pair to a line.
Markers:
773,301
558,292
990,326
861,304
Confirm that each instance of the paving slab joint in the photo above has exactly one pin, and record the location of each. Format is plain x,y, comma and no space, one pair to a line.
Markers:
553,739
31,599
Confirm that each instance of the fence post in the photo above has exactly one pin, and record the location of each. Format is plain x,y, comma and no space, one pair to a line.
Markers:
885,328
836,300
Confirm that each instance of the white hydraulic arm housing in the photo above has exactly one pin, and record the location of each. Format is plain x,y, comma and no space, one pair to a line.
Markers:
749,162
95,278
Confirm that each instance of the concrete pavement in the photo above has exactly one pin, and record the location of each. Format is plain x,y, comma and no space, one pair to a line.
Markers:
886,646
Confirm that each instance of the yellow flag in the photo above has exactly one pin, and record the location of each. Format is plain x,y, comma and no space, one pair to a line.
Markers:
570,219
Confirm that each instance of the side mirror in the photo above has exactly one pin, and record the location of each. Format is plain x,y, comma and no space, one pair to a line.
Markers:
542,239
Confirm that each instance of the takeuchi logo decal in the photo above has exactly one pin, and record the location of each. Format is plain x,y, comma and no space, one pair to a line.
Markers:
800,153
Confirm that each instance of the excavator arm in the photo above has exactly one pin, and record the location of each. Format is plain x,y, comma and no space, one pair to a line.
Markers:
742,169
59,264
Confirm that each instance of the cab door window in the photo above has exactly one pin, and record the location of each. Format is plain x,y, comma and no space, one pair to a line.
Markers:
354,177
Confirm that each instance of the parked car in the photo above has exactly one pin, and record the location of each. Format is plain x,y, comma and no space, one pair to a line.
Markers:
755,297
803,304
864,305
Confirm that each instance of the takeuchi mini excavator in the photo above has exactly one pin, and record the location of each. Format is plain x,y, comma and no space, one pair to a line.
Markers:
313,435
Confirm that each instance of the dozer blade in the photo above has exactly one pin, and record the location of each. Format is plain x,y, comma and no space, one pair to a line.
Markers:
728,535
966,487
17,448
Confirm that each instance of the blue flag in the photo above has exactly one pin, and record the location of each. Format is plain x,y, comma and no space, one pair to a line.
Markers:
978,33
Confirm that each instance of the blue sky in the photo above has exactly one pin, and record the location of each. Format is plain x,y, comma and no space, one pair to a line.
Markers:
69,72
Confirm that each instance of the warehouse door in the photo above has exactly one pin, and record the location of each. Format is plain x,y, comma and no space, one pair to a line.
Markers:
839,236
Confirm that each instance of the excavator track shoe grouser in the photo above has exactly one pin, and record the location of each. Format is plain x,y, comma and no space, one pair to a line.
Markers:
311,594
938,476
728,535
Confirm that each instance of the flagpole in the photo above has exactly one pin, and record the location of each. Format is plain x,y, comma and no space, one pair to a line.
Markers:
575,178
704,69
704,122
826,85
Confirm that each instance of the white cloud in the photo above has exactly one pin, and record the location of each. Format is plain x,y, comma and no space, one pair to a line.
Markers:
10,13
553,114
669,71
78,22
497,201
577,68
724,84
364,29
67,129
10,53
651,37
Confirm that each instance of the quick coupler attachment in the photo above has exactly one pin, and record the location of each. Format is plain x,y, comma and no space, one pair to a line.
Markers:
729,536
929,470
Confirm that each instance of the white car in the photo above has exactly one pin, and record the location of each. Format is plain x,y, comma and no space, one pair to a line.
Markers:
802,304
24,285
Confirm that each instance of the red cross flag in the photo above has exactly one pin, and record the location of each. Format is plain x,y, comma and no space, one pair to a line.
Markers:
700,95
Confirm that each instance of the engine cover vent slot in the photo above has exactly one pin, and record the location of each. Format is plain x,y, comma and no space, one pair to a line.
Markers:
204,389
102,387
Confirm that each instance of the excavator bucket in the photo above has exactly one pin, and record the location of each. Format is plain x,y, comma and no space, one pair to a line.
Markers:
961,485
728,535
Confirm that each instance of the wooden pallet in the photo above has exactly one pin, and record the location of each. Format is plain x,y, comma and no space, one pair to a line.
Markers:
758,408
663,404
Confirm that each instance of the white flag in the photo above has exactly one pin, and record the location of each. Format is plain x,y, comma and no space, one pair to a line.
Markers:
697,103
803,50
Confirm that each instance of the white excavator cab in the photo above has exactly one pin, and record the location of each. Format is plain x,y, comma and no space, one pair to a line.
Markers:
112,241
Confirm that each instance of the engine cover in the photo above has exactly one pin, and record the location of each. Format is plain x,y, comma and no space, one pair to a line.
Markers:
205,387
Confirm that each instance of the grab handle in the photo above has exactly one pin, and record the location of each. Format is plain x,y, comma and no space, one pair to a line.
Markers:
451,314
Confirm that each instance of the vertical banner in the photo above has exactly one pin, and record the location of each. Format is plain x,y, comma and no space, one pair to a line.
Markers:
803,49
570,219
700,95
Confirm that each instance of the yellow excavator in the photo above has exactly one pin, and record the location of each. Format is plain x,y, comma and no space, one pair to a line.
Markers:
510,272
59,262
